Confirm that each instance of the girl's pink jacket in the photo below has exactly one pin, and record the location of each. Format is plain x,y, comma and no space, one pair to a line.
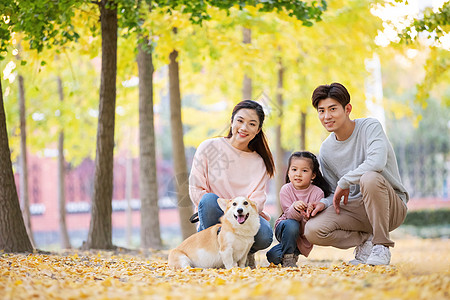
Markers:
288,195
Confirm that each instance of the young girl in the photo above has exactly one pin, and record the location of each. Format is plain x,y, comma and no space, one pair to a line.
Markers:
304,186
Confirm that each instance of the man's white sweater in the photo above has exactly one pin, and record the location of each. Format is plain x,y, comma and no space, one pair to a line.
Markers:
367,149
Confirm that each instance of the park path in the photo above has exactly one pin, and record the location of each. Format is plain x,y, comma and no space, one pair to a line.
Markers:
420,269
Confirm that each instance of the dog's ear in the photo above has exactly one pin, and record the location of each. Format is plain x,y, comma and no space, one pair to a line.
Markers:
253,203
223,203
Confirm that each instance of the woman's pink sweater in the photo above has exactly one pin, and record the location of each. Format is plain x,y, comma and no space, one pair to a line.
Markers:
221,169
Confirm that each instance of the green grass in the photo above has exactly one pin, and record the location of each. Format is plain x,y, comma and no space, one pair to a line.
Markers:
427,223
436,217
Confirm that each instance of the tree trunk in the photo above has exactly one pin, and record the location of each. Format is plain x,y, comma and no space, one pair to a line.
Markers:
279,151
13,234
247,83
148,184
64,235
303,130
128,192
100,229
24,162
185,208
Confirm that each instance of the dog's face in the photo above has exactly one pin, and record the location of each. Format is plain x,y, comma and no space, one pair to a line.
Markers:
240,208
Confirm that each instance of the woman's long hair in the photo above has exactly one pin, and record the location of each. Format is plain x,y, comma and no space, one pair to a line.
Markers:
318,180
259,142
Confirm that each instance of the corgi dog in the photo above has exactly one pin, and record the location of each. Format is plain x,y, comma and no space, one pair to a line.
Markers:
222,245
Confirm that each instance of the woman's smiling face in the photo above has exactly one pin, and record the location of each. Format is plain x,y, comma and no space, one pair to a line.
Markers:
245,126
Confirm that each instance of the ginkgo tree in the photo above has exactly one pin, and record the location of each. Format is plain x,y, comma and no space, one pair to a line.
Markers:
217,50
67,73
306,12
329,50
40,22
419,26
434,24
332,50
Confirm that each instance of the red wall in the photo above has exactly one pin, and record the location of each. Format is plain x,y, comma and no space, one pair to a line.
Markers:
43,183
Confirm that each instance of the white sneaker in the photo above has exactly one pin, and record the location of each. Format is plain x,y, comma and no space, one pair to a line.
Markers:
362,252
381,255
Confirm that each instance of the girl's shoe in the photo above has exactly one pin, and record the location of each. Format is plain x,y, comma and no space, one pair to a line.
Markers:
289,261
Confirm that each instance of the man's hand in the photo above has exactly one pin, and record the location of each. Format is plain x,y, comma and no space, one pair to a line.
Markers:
316,207
338,194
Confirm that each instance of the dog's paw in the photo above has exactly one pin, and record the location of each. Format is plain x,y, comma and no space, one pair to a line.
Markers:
230,266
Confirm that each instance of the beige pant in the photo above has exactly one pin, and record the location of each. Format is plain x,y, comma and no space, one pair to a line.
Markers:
378,212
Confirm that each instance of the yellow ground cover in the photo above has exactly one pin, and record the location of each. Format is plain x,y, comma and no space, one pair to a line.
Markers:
420,269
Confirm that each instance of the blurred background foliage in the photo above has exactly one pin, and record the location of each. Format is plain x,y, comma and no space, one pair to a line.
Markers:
411,71
213,61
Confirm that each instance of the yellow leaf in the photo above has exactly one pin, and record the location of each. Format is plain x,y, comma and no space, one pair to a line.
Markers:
219,281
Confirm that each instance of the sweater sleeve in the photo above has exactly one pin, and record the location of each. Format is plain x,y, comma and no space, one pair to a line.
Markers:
331,178
317,195
377,152
287,200
198,184
259,194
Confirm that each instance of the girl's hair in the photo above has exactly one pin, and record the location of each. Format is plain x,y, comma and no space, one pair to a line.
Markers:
259,142
318,180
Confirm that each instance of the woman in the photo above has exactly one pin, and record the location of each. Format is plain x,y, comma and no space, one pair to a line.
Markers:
237,165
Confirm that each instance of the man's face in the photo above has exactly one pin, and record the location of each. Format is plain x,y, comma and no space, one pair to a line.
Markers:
332,115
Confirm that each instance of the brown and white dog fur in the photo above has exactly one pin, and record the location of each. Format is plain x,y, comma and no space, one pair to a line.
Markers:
211,248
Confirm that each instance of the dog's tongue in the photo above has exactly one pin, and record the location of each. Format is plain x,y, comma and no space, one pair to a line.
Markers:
241,219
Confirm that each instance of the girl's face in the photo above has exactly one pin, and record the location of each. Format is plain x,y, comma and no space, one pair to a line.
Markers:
245,126
301,173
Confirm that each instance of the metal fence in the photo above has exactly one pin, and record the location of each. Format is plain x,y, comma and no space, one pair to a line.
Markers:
424,169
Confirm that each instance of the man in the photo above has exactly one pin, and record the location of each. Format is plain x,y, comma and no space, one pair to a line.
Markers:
359,163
